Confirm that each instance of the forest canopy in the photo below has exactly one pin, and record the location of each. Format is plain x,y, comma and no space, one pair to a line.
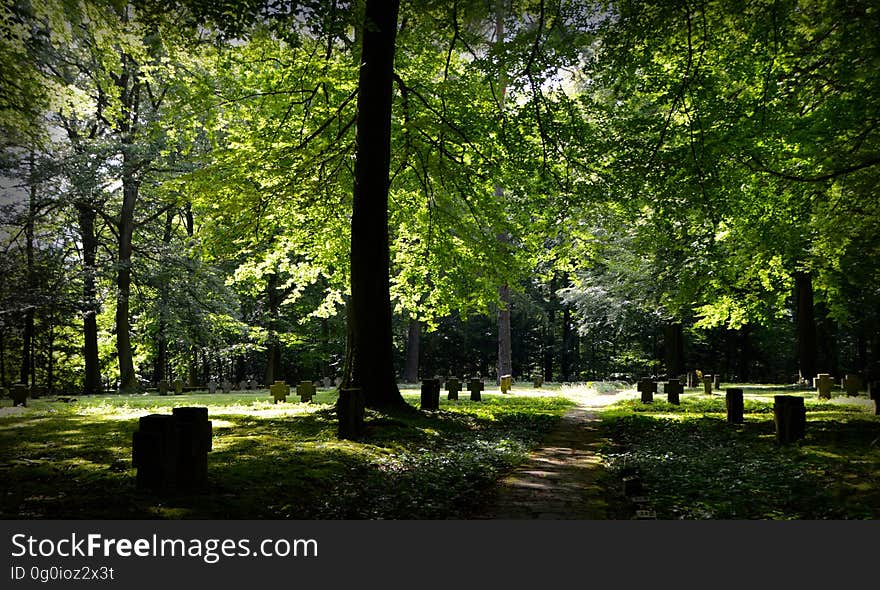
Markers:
641,188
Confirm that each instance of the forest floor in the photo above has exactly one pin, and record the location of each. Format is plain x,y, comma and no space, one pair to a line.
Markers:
564,478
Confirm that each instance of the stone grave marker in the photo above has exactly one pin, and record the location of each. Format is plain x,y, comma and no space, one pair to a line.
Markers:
226,386
790,418
305,390
328,383
338,381
475,386
852,384
733,401
716,382
823,385
212,386
350,411
707,384
874,394
154,452
430,399
178,387
19,394
279,390
673,389
648,388
194,434
453,386
163,387
506,383
538,381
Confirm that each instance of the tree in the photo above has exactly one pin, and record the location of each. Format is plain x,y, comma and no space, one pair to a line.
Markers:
370,363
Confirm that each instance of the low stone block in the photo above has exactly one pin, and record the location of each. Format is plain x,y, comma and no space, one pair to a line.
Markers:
823,384
790,418
178,387
852,384
647,387
733,401
506,383
430,398
212,387
279,390
19,394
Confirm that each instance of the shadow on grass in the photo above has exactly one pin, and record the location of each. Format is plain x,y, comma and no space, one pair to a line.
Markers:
63,463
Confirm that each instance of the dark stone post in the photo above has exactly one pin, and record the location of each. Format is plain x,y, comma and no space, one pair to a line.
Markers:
790,417
430,395
19,395
735,405
453,386
194,434
475,386
874,394
648,388
350,410
673,389
707,384
154,452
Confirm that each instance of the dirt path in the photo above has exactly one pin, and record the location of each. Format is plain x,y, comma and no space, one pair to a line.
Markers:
561,479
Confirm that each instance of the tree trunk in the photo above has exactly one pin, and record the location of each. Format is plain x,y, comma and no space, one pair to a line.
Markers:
273,346
86,218
806,326
674,349
411,371
745,354
505,361
371,367
567,333
549,336
127,378
28,332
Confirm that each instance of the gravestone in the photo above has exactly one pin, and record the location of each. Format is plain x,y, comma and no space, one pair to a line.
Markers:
279,390
691,380
194,435
19,395
733,401
823,385
475,386
673,389
212,387
716,382
506,383
790,418
874,394
350,411
338,381
226,386
538,381
707,384
852,384
251,384
154,452
328,383
648,388
305,390
430,399
178,387
453,386
163,387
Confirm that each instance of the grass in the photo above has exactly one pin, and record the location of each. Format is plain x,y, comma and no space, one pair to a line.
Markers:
73,460
695,465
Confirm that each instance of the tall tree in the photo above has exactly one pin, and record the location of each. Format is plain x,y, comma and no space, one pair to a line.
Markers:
370,364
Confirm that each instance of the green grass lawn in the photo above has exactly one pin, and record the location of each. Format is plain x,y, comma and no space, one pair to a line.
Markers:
695,465
73,460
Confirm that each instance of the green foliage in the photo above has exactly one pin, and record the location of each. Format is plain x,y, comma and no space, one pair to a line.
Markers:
696,466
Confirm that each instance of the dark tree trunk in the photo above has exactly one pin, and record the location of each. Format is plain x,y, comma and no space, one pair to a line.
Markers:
505,363
27,360
567,344
806,325
745,354
86,218
371,365
127,378
826,331
673,344
411,371
550,335
273,347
